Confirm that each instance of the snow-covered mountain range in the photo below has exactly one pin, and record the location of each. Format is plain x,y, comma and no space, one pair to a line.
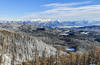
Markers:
49,23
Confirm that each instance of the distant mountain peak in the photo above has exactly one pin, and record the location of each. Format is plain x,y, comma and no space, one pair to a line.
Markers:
41,20
59,21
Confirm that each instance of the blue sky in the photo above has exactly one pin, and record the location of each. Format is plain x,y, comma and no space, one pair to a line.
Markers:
50,9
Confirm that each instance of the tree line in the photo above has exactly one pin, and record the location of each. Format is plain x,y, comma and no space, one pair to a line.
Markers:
73,58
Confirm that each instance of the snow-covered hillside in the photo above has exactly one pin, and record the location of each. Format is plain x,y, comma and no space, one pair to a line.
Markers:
18,47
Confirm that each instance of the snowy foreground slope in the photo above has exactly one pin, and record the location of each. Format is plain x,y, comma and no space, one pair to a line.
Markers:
15,47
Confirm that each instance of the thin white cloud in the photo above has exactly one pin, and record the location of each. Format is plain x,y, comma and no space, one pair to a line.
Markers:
65,4
83,8
82,12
